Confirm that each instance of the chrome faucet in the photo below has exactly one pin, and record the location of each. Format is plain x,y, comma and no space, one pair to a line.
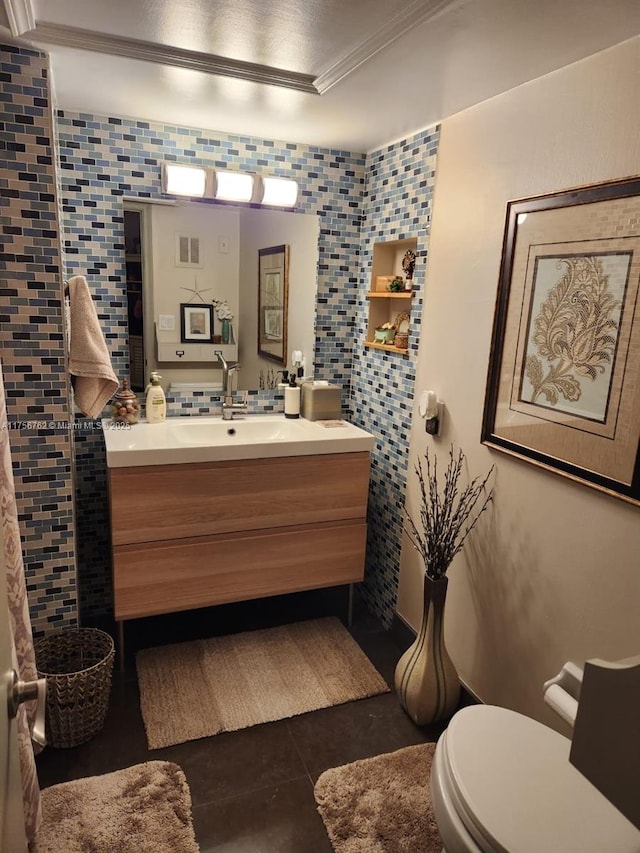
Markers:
225,366
230,407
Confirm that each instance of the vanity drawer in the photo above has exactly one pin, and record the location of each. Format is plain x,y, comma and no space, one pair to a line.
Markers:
165,577
162,502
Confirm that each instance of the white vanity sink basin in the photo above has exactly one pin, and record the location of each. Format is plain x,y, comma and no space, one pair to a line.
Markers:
194,431
210,439
191,387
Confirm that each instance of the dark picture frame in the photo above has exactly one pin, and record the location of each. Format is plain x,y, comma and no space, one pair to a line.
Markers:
563,385
273,303
196,323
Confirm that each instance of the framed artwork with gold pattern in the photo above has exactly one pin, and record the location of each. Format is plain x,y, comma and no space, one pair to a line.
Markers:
563,389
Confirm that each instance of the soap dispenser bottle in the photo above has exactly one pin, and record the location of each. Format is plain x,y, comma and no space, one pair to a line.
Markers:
292,398
156,401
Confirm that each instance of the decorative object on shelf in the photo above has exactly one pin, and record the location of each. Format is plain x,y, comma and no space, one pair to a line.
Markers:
408,266
425,678
225,315
125,408
564,372
385,334
196,323
401,324
382,282
396,285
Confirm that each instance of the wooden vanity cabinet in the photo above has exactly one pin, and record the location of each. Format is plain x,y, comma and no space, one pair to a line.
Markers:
195,535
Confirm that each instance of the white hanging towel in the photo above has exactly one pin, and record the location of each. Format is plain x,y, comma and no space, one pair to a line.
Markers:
92,376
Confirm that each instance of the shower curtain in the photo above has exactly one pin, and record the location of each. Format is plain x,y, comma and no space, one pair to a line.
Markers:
19,622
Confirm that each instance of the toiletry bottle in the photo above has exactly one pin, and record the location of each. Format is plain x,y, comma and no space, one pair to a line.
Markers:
156,401
284,378
292,398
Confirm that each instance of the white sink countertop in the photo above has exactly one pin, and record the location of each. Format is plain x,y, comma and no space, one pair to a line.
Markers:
210,439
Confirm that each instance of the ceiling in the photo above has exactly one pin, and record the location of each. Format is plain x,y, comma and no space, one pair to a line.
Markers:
344,74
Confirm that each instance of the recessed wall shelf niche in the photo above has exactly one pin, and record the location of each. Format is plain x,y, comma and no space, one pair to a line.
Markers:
386,305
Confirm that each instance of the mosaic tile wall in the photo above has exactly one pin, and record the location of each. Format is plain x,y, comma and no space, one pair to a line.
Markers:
103,159
397,204
32,339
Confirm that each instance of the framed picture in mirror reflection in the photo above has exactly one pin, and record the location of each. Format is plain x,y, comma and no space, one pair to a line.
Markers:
196,323
273,298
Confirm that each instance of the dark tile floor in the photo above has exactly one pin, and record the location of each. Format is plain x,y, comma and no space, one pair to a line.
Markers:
252,790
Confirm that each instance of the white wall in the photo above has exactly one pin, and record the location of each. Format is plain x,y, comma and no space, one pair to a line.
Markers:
258,231
170,285
554,573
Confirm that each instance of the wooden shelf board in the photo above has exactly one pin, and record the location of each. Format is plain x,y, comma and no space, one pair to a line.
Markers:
378,294
386,347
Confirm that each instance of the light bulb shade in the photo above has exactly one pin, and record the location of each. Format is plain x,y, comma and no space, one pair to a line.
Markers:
280,192
183,180
234,186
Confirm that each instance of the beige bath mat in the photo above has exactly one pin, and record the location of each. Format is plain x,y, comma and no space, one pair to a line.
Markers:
142,809
196,689
381,804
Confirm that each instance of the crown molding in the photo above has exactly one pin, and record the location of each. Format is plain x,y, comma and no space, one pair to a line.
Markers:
20,15
166,55
417,12
412,15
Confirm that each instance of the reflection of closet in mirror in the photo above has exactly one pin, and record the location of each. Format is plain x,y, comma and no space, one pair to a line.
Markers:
134,280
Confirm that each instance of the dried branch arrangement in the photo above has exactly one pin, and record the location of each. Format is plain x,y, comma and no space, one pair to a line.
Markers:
448,514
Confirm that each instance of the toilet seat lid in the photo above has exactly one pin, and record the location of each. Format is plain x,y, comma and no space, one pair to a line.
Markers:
515,788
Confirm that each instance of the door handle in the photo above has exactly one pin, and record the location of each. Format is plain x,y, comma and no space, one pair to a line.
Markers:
28,691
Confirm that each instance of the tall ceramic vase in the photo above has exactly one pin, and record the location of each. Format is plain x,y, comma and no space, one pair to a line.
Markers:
426,680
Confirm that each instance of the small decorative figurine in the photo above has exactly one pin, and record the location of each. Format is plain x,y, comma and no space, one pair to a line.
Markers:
409,263
384,334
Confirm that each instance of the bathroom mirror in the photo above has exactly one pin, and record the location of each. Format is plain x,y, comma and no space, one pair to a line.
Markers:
183,253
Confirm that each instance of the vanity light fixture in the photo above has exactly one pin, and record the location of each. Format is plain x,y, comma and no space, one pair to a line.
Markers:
184,180
233,186
279,192
227,185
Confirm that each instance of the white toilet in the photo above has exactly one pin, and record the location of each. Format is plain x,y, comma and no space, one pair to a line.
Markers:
502,782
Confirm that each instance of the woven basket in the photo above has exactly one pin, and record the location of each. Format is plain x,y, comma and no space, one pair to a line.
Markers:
78,664
401,340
